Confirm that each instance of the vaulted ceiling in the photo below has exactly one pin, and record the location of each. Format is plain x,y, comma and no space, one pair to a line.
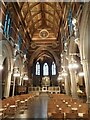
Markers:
44,15
52,17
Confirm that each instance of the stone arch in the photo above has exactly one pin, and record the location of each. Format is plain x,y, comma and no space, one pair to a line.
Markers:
48,50
4,75
50,56
7,53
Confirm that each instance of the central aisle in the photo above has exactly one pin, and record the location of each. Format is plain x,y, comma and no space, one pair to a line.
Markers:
37,108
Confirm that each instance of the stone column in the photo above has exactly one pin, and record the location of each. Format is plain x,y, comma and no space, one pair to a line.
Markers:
86,69
67,86
73,84
20,83
85,47
7,85
66,78
1,70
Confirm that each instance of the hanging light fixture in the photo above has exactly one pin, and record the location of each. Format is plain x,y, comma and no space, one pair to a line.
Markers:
81,74
73,64
74,21
16,72
64,73
1,67
25,77
60,77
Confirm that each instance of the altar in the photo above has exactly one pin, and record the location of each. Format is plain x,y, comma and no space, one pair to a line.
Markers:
45,81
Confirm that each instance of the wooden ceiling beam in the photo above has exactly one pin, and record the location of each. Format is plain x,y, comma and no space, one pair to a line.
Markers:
22,3
46,26
54,21
35,23
32,19
40,20
30,7
43,14
18,11
40,11
46,12
32,16
27,12
52,6
56,27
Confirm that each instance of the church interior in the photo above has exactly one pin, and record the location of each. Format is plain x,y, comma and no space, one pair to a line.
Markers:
44,60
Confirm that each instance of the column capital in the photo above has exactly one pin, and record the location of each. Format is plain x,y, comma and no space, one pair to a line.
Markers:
72,71
85,61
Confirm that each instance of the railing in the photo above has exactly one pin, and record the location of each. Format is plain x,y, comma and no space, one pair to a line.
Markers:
54,90
23,89
33,89
44,89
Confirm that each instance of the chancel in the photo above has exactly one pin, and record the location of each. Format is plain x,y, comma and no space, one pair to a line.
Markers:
44,59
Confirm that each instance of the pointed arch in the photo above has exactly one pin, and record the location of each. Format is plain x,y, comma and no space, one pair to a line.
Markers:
37,68
53,68
45,69
48,50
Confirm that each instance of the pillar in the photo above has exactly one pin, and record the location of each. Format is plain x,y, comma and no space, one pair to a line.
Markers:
86,69
66,78
67,87
85,47
7,85
73,84
1,70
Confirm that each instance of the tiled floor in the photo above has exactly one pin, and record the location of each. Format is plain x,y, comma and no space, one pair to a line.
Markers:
37,109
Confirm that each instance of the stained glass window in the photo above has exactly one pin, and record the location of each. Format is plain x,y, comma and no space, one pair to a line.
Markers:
37,68
7,25
45,69
53,69
19,41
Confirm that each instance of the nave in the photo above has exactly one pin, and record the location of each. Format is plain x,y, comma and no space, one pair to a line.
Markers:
44,106
44,47
37,108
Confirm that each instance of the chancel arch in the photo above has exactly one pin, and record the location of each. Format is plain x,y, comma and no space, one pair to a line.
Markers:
49,50
45,59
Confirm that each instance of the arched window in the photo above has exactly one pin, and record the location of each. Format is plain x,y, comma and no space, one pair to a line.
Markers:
7,25
45,69
19,41
53,68
37,68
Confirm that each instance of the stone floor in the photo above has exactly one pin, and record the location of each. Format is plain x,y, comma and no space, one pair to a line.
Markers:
37,109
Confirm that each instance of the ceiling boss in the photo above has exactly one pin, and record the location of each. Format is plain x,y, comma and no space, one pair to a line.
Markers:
43,33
